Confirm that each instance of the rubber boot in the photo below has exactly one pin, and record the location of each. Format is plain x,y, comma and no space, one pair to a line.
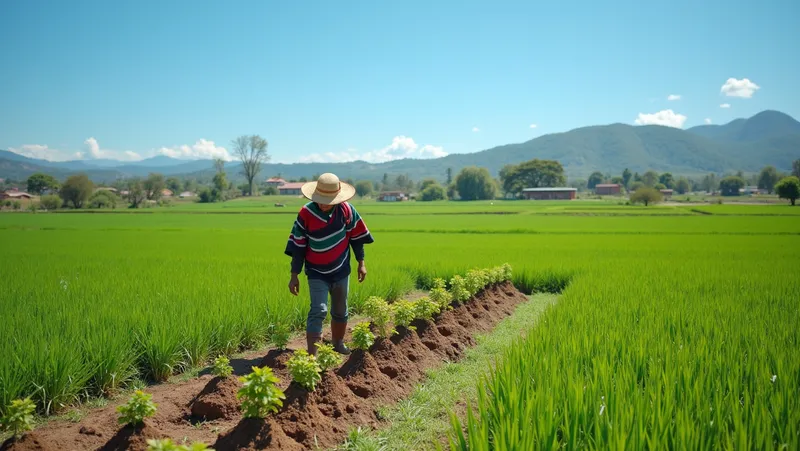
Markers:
311,340
337,337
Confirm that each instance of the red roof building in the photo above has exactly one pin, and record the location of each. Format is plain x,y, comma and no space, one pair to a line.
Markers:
607,189
290,189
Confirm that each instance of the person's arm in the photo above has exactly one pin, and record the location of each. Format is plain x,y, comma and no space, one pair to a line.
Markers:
296,248
359,236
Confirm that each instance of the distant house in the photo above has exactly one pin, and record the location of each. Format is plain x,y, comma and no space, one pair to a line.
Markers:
275,181
166,192
392,196
290,189
751,190
105,188
607,189
186,194
667,193
555,193
15,195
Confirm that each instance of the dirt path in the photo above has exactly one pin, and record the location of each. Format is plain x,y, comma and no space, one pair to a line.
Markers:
346,398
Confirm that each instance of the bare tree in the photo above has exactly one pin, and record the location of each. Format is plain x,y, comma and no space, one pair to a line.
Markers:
219,165
252,150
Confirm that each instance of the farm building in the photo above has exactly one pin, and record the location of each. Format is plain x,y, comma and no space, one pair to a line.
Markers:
186,194
666,192
275,181
392,196
166,192
290,188
607,189
105,188
15,195
555,193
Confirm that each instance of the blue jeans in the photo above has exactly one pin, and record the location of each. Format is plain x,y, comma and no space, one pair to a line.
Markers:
319,290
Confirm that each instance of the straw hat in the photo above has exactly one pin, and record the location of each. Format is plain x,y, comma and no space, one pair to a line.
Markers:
328,190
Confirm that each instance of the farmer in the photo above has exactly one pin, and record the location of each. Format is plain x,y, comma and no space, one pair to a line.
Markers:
325,230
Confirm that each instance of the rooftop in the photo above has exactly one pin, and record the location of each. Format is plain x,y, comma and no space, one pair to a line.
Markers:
607,185
528,190
296,185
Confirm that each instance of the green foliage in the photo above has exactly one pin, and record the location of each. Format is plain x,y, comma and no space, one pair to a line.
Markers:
39,182
304,369
380,312
646,196
440,295
138,407
682,186
767,178
103,199
362,337
532,174
474,183
280,335
153,185
459,290
788,188
426,309
730,186
136,192
595,179
796,168
433,192
476,280
50,202
222,367
18,417
168,445
363,188
327,358
650,178
404,312
76,190
16,205
259,394
667,180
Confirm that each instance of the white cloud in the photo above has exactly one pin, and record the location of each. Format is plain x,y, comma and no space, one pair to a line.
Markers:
725,105
708,120
475,129
668,118
202,149
38,151
93,147
401,147
673,97
739,88
533,126
94,152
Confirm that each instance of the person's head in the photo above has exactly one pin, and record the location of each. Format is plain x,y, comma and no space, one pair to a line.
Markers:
327,191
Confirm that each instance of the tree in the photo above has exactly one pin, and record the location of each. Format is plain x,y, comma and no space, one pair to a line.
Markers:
709,183
667,180
433,192
449,175
660,186
646,195
136,192
385,182
730,186
788,188
103,199
767,178
39,182
595,179
76,190
363,188
474,183
174,185
535,173
682,186
796,168
219,165
626,177
618,180
452,191
252,150
650,178
50,202
153,186
426,183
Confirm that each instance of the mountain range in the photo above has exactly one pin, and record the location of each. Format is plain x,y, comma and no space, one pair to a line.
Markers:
767,138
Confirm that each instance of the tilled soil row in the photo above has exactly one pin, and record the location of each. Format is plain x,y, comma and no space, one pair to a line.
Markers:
206,409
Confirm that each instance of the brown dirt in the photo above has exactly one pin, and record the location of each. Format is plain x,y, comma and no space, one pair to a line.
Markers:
206,409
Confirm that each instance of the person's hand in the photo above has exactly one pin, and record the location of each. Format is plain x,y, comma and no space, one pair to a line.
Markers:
294,285
362,271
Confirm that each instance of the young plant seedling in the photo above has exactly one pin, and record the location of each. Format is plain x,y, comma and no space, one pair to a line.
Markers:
259,394
304,369
138,407
222,367
425,308
327,358
280,335
404,313
439,294
458,287
380,312
362,336
168,445
19,417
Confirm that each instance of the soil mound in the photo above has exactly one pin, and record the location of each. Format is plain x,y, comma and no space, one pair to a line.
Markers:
256,434
364,378
217,400
29,442
133,439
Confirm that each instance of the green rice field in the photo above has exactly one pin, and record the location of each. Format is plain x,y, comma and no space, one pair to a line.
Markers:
675,328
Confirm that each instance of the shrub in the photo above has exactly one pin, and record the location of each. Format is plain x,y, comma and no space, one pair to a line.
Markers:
304,369
362,336
458,288
19,417
259,394
280,334
17,205
404,313
433,192
103,199
477,279
380,312
439,294
138,407
507,272
168,445
426,309
327,358
788,188
222,367
646,196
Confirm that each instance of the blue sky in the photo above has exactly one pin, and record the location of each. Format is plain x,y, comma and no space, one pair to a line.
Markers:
332,81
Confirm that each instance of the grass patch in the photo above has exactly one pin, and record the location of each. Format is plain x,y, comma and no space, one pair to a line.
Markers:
421,420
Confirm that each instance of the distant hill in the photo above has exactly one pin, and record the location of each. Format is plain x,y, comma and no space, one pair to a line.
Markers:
768,138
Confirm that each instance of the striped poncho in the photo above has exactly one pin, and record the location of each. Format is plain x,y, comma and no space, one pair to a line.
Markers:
322,241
